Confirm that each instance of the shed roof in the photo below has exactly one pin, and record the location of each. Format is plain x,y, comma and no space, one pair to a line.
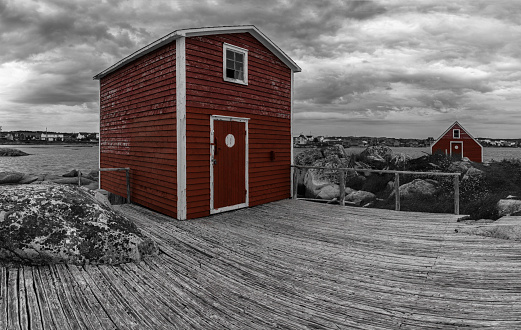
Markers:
194,32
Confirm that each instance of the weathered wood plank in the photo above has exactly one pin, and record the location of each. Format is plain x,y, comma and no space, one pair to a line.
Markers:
13,299
33,305
46,312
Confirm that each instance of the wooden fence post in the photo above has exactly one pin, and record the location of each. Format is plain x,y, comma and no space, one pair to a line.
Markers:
397,191
456,194
79,178
341,181
127,174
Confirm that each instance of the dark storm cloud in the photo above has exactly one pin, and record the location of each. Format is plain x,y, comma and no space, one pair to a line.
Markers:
363,61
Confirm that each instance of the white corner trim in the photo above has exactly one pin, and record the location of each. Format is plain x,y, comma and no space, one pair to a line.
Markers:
180,66
99,140
292,169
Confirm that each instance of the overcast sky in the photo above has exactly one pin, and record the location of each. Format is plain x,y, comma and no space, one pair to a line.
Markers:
373,68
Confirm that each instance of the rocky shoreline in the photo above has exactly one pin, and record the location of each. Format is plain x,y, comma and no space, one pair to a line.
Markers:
89,180
486,190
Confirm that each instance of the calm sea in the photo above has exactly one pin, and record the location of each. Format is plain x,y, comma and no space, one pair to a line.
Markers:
60,159
51,159
488,153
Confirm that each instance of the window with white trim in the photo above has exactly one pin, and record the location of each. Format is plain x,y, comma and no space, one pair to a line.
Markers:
455,133
235,64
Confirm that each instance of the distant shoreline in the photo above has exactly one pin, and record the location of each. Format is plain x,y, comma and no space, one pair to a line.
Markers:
75,143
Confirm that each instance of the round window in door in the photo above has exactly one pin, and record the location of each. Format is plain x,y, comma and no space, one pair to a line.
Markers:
229,140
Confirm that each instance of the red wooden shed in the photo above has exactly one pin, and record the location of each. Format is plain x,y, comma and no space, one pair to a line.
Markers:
202,117
458,143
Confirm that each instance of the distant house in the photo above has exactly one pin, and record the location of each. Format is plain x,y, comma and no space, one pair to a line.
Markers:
458,143
24,136
301,140
49,136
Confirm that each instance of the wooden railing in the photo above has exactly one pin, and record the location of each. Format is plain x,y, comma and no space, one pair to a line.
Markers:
341,179
127,175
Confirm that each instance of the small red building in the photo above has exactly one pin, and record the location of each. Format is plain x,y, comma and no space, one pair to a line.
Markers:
202,117
458,143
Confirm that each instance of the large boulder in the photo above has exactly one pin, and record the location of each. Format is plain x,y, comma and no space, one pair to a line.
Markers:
48,223
315,184
473,173
360,197
336,150
417,188
460,166
377,156
508,206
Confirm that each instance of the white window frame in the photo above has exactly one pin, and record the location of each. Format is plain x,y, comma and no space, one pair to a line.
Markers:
238,50
454,134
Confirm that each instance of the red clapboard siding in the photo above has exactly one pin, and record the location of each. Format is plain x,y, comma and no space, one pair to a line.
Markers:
471,148
265,100
138,130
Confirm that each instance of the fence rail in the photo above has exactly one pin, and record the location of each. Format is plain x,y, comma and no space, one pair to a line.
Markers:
127,176
341,178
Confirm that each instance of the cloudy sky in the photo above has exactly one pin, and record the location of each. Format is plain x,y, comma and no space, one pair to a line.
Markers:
374,68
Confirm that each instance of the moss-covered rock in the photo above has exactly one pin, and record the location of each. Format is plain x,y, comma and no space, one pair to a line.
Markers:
48,223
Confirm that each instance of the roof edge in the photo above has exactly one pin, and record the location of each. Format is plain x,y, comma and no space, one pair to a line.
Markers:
448,129
194,32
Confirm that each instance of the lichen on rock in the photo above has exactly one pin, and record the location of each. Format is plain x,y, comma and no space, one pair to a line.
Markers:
49,223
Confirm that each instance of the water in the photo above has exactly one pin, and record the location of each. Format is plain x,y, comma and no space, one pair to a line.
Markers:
488,153
51,159
60,159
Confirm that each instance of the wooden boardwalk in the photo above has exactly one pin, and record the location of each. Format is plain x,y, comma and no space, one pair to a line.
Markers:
289,264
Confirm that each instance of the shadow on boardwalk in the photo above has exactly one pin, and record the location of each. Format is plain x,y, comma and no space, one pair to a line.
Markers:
289,264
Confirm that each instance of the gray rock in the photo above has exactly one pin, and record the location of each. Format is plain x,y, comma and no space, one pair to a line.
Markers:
29,178
473,172
360,197
329,192
10,177
41,224
308,157
377,155
71,174
9,152
460,166
416,188
508,206
315,184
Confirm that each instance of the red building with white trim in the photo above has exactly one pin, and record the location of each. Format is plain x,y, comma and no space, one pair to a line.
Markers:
458,143
203,119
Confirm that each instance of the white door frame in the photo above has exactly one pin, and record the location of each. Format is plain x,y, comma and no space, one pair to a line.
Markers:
212,151
457,142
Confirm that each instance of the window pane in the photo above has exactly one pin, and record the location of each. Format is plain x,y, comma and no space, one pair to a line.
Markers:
239,75
229,64
229,54
230,73
238,66
239,57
